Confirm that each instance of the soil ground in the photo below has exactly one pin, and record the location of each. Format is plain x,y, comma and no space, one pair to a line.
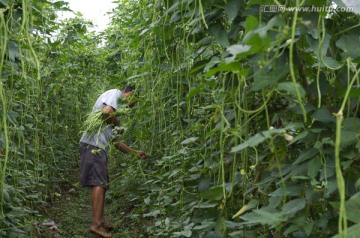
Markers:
70,212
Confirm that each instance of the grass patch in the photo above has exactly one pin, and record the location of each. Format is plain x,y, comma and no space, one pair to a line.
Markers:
71,213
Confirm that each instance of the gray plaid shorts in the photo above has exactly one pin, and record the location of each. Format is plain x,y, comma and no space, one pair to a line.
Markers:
93,166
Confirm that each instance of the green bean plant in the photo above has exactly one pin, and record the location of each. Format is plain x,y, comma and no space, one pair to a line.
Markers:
249,111
47,69
250,116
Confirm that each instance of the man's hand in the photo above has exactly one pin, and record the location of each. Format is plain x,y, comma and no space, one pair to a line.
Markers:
119,130
126,149
141,154
109,115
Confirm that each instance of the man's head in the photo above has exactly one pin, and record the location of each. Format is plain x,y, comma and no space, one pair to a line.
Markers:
128,88
127,95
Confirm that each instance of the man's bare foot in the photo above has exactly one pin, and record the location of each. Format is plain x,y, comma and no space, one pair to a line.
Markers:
108,226
100,231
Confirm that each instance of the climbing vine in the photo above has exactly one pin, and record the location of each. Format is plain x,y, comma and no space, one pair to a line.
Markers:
250,115
241,110
41,64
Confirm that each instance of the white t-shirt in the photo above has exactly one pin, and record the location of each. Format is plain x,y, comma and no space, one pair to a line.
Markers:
102,139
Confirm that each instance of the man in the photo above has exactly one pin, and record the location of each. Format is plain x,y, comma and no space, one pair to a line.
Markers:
93,154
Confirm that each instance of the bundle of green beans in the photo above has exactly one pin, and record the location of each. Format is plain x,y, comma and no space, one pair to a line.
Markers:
94,123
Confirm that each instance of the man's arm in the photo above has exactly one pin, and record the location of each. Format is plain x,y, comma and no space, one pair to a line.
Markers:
126,149
110,116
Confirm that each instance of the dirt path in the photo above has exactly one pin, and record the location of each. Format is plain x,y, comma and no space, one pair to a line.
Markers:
70,215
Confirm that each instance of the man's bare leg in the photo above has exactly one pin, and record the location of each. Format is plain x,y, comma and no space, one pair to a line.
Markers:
103,222
98,201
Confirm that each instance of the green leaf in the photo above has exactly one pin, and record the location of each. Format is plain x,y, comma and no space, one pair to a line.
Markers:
353,208
214,193
265,78
290,88
194,91
60,4
213,62
220,35
199,66
173,7
258,42
293,206
5,194
251,23
293,190
314,167
262,136
205,225
352,232
263,217
13,51
299,137
175,17
5,2
291,229
350,131
233,66
331,63
314,44
296,171
147,200
232,8
308,228
354,92
220,229
357,184
324,115
239,49
204,184
186,233
348,137
153,213
276,22
243,233
189,140
347,43
253,141
205,205
253,203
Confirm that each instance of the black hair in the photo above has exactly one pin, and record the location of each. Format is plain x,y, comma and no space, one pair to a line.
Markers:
128,88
